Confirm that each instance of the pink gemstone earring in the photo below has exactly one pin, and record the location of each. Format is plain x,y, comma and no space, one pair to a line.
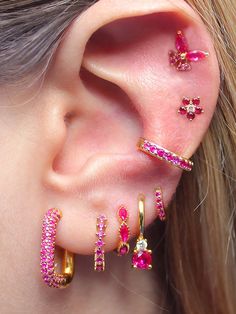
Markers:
159,205
181,58
190,107
123,247
142,257
47,254
99,257
156,151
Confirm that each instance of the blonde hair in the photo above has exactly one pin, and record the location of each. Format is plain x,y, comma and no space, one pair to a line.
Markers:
199,246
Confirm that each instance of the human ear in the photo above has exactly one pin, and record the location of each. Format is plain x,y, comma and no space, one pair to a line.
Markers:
109,83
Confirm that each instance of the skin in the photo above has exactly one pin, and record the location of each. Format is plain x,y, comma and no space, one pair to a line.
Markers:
69,142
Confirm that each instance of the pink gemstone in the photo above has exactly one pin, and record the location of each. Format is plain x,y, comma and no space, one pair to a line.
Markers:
142,259
196,55
99,260
123,250
196,101
160,153
153,149
101,226
184,164
99,268
181,42
190,116
100,242
176,160
167,156
198,110
182,110
183,65
173,57
185,101
123,213
99,251
100,234
159,205
146,146
124,233
102,218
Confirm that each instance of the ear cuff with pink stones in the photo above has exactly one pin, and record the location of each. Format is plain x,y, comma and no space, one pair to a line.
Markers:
154,150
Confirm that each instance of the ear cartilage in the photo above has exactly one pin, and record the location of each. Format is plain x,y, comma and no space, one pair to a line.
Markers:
47,254
160,205
99,256
124,233
182,58
190,107
142,257
161,153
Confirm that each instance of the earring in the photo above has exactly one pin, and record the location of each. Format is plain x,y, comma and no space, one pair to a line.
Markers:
190,107
159,205
47,254
182,58
142,257
99,257
123,247
161,153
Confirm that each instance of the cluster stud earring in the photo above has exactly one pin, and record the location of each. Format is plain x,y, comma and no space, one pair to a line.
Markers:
182,58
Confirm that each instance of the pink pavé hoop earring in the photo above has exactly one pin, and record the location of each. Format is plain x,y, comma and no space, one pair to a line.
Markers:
155,150
47,255
161,214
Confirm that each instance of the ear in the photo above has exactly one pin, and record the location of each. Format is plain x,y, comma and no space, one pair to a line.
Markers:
109,83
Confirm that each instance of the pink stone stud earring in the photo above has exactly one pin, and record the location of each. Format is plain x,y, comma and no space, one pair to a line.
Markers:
47,254
99,257
182,58
142,257
156,151
190,107
123,247
159,205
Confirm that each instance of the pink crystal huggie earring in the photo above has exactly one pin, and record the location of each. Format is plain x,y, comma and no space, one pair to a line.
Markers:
155,150
142,257
159,205
99,256
49,274
123,247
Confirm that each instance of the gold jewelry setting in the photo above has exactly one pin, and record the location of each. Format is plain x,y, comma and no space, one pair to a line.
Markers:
154,150
142,257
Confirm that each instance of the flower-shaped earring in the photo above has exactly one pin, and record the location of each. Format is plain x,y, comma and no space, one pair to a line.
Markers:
190,107
182,58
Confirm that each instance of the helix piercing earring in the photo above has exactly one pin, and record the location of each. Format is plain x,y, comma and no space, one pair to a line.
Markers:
190,107
142,257
47,254
123,247
161,153
159,205
99,257
182,58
